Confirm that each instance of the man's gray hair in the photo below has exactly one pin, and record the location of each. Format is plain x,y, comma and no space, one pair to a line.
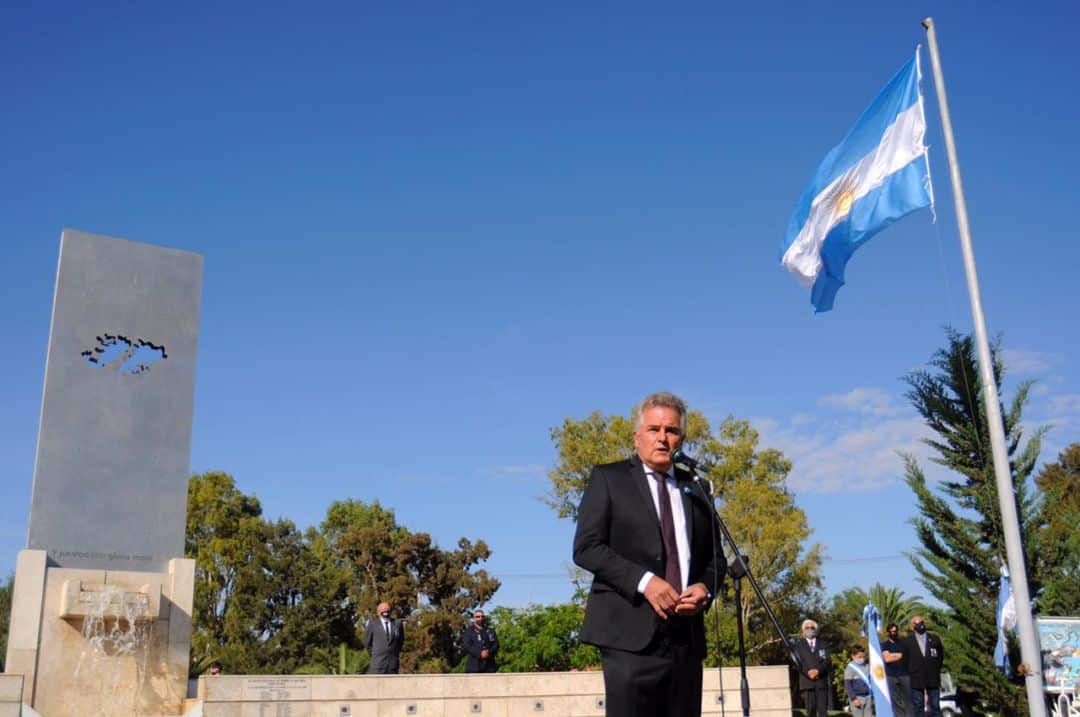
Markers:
660,399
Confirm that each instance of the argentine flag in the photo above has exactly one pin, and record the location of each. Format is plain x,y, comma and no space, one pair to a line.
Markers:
879,687
1006,620
878,174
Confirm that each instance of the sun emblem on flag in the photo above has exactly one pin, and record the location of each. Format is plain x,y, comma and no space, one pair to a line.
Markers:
879,671
843,202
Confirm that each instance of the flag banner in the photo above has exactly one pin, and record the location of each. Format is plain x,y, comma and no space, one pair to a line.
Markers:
879,687
878,174
1006,621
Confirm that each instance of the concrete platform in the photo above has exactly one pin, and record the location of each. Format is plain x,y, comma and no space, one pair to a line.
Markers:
565,694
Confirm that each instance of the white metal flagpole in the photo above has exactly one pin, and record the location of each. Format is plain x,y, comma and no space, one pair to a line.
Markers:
1014,549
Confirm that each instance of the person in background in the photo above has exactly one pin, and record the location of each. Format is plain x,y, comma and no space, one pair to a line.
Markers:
857,683
481,644
925,655
894,652
383,639
814,676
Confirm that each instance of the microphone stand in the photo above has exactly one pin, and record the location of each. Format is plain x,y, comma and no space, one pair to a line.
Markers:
738,570
737,575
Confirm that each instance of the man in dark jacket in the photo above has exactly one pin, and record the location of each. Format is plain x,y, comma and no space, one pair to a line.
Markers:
480,644
383,639
894,652
647,533
814,661
925,655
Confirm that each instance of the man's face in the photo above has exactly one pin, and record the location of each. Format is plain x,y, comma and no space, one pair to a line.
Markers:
478,618
918,624
657,437
384,609
894,632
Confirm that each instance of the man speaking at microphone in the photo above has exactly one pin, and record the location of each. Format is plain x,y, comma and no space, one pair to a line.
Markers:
647,534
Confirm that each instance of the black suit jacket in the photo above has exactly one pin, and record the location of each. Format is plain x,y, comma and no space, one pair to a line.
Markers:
384,653
473,642
618,539
818,659
924,670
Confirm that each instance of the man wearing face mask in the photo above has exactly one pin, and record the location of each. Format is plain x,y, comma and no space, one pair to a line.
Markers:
813,656
894,652
925,655
383,639
480,644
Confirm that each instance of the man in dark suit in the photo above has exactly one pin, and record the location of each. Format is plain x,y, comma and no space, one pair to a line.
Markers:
383,638
925,654
648,535
814,673
481,644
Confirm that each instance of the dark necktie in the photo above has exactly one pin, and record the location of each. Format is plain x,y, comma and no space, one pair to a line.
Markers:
672,571
387,626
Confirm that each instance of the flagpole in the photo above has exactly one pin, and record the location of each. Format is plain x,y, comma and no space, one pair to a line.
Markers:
1014,550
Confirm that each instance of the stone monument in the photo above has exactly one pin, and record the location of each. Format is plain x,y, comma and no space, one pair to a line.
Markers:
101,616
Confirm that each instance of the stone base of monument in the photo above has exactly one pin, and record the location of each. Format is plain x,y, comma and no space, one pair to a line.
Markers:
100,642
566,694
11,689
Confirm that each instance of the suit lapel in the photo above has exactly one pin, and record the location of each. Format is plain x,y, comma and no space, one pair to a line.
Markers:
641,489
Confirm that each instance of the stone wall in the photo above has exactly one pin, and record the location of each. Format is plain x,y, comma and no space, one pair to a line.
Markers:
11,695
561,694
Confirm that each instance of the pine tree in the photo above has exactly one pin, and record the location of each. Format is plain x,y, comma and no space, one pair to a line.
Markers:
959,527
1059,539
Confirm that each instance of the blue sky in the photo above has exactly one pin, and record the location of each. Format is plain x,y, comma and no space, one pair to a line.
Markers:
431,233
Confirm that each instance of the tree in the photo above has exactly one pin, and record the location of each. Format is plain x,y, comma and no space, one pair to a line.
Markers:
270,598
959,525
846,612
844,622
430,587
1059,539
757,507
542,638
228,539
7,590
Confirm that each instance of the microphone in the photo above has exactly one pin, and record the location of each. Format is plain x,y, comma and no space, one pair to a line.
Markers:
686,461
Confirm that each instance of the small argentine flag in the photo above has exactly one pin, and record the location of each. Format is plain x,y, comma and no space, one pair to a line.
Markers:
1006,621
878,174
879,687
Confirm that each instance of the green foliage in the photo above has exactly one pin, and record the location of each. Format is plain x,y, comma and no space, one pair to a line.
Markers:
1059,539
270,598
959,526
758,510
844,621
343,660
7,590
542,638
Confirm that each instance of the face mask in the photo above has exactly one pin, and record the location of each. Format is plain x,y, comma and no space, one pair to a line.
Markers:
860,660
920,627
385,614
810,631
894,635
